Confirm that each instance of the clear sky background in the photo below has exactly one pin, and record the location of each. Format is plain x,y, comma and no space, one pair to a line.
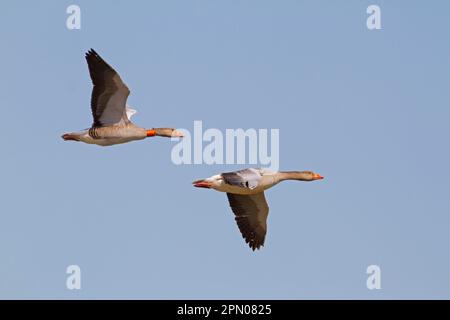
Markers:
369,110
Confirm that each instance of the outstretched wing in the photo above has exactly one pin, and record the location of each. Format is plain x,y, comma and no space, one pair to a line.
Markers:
247,178
109,95
251,213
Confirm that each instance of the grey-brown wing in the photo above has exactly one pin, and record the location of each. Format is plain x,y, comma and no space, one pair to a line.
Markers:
251,213
109,95
247,178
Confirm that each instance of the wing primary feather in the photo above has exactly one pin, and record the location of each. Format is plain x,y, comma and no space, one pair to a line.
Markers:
251,213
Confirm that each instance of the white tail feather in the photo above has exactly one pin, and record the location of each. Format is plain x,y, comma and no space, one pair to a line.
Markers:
130,112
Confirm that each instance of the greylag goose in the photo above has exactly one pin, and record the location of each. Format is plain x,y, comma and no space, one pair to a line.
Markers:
245,192
112,117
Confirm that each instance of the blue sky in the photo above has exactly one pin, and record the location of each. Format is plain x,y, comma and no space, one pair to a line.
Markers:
369,110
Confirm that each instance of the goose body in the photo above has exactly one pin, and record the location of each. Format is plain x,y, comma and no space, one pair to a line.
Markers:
108,136
112,117
245,192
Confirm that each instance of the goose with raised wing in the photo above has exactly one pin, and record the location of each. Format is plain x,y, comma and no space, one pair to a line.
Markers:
245,192
112,117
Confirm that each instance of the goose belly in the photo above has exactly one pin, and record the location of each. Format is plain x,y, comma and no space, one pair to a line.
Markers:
106,141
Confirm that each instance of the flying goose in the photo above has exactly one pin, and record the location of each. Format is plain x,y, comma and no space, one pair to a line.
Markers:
112,117
245,192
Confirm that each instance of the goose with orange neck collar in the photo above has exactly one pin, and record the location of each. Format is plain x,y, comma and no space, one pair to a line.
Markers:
112,117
